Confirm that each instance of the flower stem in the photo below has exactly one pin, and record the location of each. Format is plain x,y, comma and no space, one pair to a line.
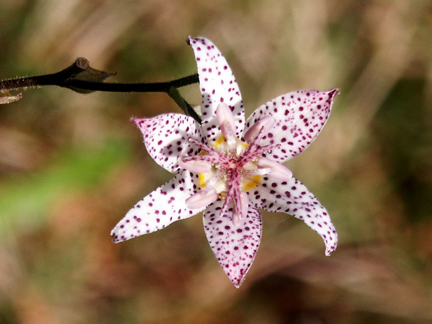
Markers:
81,78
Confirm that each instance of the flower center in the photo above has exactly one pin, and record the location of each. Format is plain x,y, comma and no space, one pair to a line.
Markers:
229,168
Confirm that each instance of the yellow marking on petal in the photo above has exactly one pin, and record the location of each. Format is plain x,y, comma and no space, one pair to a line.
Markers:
202,180
256,179
202,152
222,195
219,141
250,185
244,144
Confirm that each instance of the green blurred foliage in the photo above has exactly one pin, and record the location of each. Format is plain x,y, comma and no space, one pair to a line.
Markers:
71,165
24,201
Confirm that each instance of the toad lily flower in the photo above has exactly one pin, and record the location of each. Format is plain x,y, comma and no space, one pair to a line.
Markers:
230,168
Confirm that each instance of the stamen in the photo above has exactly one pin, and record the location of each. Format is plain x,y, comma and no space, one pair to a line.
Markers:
225,117
202,199
202,146
213,177
254,151
240,209
230,137
211,158
227,126
257,172
279,171
194,165
228,198
264,149
266,123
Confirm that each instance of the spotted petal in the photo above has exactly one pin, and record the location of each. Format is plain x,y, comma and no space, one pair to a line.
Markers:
217,85
159,209
166,138
292,197
300,117
235,247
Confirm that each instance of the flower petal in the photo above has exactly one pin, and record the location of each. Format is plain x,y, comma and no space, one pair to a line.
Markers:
217,84
166,138
300,117
235,247
159,209
292,197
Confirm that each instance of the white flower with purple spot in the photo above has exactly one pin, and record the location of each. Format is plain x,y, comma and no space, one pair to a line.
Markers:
230,168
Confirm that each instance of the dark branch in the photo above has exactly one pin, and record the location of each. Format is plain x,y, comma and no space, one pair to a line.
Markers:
80,65
130,87
82,78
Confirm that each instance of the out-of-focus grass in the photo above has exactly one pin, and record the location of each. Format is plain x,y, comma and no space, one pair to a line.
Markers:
64,183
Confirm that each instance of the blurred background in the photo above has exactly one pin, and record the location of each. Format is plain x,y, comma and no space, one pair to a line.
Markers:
72,165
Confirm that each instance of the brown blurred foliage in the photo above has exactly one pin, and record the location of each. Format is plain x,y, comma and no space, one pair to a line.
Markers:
71,165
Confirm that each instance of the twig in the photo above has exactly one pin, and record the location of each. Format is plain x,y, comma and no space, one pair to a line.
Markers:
82,78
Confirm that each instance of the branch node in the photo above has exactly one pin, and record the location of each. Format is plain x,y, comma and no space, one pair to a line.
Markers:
82,63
